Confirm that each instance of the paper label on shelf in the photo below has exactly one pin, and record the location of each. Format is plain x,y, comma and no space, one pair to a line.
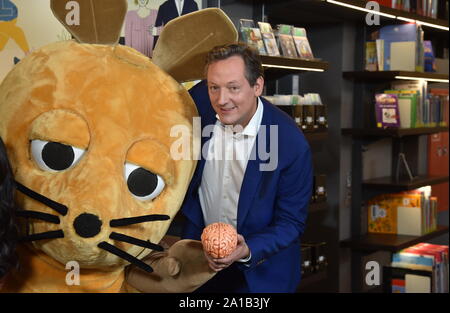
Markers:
309,119
320,190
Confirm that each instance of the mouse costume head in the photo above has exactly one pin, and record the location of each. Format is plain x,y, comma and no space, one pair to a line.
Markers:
88,131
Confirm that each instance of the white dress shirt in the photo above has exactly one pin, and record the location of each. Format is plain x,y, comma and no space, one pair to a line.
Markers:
179,4
225,165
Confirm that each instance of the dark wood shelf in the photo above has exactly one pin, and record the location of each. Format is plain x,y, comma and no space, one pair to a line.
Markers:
310,279
389,183
274,66
316,135
388,242
390,75
392,132
318,206
320,11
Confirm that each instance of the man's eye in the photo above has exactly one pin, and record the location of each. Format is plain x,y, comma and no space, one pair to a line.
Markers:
143,184
213,88
54,156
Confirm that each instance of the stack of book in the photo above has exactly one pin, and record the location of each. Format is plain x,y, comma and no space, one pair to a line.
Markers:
422,268
430,8
396,48
411,213
409,105
286,40
308,111
251,35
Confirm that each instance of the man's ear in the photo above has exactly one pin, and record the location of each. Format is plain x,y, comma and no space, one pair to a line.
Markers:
259,86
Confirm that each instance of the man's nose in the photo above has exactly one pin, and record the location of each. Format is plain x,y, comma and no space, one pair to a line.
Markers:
223,96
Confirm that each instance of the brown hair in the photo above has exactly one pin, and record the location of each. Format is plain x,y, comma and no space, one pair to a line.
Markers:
252,61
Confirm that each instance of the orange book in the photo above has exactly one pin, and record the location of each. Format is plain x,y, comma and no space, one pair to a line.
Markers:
382,215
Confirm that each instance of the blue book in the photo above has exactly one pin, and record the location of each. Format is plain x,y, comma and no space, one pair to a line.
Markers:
396,33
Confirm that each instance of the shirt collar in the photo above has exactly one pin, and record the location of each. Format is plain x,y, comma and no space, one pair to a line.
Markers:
252,127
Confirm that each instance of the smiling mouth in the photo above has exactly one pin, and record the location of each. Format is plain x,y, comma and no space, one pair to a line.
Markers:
227,109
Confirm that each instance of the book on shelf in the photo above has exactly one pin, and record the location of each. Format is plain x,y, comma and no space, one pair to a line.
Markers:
286,41
412,213
424,257
421,105
269,39
429,60
407,280
386,110
301,43
251,35
402,47
371,61
379,44
407,106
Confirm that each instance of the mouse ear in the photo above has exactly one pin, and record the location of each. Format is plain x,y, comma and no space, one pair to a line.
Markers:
92,21
184,42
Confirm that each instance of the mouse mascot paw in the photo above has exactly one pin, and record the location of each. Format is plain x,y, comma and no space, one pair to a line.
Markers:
182,268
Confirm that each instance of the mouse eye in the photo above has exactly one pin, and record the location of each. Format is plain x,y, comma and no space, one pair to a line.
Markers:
54,156
143,184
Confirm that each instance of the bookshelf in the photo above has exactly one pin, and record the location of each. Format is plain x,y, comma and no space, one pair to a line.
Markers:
388,242
345,28
362,133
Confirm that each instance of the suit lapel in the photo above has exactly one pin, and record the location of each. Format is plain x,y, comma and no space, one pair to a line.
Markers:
253,174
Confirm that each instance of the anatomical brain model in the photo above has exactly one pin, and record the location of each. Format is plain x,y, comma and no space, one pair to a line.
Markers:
219,239
87,128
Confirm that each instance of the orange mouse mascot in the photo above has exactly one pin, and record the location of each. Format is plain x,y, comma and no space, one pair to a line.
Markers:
90,132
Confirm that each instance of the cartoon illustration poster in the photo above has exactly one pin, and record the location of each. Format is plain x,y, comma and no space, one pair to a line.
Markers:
146,18
25,26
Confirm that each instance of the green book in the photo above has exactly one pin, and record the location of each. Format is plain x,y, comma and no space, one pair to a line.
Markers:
407,106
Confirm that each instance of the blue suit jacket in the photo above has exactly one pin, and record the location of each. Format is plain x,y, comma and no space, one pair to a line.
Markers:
272,207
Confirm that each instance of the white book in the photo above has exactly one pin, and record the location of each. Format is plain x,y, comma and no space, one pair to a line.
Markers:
417,284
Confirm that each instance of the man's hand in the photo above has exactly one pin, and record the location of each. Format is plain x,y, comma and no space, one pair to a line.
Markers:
241,252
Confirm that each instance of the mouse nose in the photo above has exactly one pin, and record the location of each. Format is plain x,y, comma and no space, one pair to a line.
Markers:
87,225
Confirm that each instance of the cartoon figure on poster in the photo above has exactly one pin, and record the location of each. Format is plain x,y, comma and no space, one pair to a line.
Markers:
9,29
87,125
139,26
169,10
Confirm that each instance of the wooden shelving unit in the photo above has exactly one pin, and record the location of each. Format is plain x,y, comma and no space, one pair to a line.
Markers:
388,242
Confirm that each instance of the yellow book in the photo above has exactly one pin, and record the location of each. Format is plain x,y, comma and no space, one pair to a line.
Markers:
382,215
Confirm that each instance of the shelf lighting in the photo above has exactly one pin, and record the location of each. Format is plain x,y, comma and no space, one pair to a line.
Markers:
361,9
389,15
294,68
409,20
423,78
432,25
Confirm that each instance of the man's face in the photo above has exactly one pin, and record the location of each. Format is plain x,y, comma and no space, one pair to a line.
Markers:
231,95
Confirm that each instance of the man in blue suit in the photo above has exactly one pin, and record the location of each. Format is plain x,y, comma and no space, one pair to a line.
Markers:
263,189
